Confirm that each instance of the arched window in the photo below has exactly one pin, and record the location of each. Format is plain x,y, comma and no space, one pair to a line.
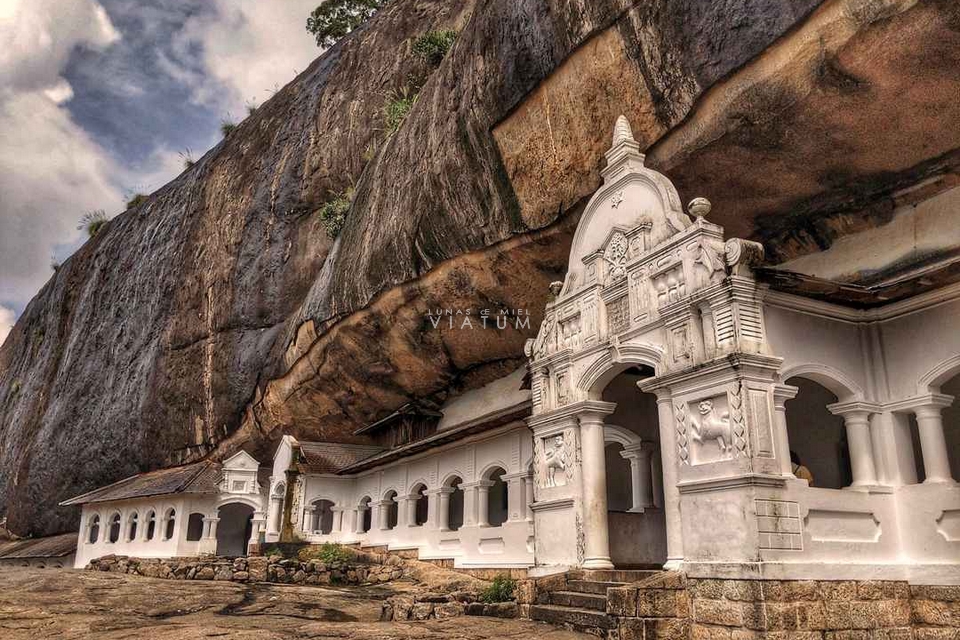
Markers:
496,498
114,534
195,527
422,510
392,509
151,524
455,504
169,523
818,439
322,517
366,515
132,527
94,534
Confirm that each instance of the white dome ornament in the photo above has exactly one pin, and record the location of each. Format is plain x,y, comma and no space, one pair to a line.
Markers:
699,208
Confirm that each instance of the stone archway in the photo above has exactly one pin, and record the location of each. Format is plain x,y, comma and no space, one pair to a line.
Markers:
234,529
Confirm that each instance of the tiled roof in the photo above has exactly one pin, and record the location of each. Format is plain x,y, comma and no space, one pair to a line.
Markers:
50,547
331,457
199,477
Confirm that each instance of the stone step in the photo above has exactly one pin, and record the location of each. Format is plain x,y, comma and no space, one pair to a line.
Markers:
591,586
613,575
583,620
579,600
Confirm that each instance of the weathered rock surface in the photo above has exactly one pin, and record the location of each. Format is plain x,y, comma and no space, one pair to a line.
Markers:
44,603
219,313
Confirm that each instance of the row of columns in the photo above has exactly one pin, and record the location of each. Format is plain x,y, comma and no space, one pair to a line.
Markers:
866,439
476,506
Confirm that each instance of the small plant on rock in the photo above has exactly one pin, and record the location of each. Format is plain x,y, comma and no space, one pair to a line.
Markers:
434,45
328,553
500,590
333,214
92,222
227,127
397,107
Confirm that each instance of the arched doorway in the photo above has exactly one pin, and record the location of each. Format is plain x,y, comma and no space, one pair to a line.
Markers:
234,528
366,515
635,518
322,517
818,438
497,498
455,504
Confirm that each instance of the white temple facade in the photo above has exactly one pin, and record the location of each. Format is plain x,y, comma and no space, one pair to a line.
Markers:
667,391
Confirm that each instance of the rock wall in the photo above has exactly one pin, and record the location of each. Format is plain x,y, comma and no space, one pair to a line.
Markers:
218,314
252,569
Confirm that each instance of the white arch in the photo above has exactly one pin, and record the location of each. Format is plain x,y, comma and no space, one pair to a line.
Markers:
415,483
614,361
489,467
450,476
620,435
836,381
931,381
366,497
250,501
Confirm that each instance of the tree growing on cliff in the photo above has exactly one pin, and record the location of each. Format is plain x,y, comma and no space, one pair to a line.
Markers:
334,19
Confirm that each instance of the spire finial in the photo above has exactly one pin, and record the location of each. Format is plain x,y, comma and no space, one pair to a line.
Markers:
622,132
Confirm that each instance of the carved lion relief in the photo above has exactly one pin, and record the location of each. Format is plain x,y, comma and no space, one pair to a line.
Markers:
712,431
555,459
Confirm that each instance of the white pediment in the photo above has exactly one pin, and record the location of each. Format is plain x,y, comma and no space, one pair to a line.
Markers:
241,461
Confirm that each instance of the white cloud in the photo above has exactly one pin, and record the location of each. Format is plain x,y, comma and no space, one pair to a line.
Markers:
50,169
251,47
6,323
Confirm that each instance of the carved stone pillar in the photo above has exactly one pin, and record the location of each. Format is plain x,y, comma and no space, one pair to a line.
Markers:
358,516
594,499
782,393
856,419
933,444
411,509
384,513
671,493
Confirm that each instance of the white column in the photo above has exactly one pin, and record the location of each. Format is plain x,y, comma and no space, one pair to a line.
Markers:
337,519
358,515
469,504
933,444
310,523
670,473
594,498
412,510
210,527
856,419
641,485
782,393
483,502
258,523
383,513
516,512
443,513
273,515
528,496
656,479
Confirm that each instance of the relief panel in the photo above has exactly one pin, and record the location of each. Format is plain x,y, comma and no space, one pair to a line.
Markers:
618,315
711,431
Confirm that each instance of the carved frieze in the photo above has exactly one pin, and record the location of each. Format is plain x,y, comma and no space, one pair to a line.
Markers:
683,451
711,431
615,257
669,283
618,315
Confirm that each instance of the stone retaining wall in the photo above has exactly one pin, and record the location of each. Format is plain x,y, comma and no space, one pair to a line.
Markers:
427,606
671,606
252,569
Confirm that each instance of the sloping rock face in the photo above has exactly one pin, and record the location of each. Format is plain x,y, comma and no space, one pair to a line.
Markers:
219,314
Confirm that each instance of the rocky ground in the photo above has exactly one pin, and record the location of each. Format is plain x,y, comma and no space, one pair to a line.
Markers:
44,603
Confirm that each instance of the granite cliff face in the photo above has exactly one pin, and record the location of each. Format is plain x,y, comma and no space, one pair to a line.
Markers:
219,314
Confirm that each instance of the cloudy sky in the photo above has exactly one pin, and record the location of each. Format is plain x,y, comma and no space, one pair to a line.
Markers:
98,99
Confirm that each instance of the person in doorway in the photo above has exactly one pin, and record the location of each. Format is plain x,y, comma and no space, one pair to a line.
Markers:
799,470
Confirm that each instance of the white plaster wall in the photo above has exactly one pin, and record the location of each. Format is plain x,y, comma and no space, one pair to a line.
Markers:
915,344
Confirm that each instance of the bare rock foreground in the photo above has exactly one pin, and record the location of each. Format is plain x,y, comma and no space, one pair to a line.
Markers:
44,603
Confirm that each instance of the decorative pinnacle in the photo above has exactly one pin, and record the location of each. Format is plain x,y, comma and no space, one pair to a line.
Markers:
622,132
699,207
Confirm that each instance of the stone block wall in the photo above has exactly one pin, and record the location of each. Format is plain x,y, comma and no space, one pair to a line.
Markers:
252,569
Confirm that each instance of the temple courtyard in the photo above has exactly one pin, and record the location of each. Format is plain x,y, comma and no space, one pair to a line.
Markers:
66,604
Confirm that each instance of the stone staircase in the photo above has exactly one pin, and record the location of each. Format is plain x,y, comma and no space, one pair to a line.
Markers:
578,601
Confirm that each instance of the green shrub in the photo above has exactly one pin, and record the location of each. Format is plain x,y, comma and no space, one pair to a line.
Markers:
327,553
398,106
500,590
137,200
93,221
334,19
227,127
434,45
334,213
187,157
272,551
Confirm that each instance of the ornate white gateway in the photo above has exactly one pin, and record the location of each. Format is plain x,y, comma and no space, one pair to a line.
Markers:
658,295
